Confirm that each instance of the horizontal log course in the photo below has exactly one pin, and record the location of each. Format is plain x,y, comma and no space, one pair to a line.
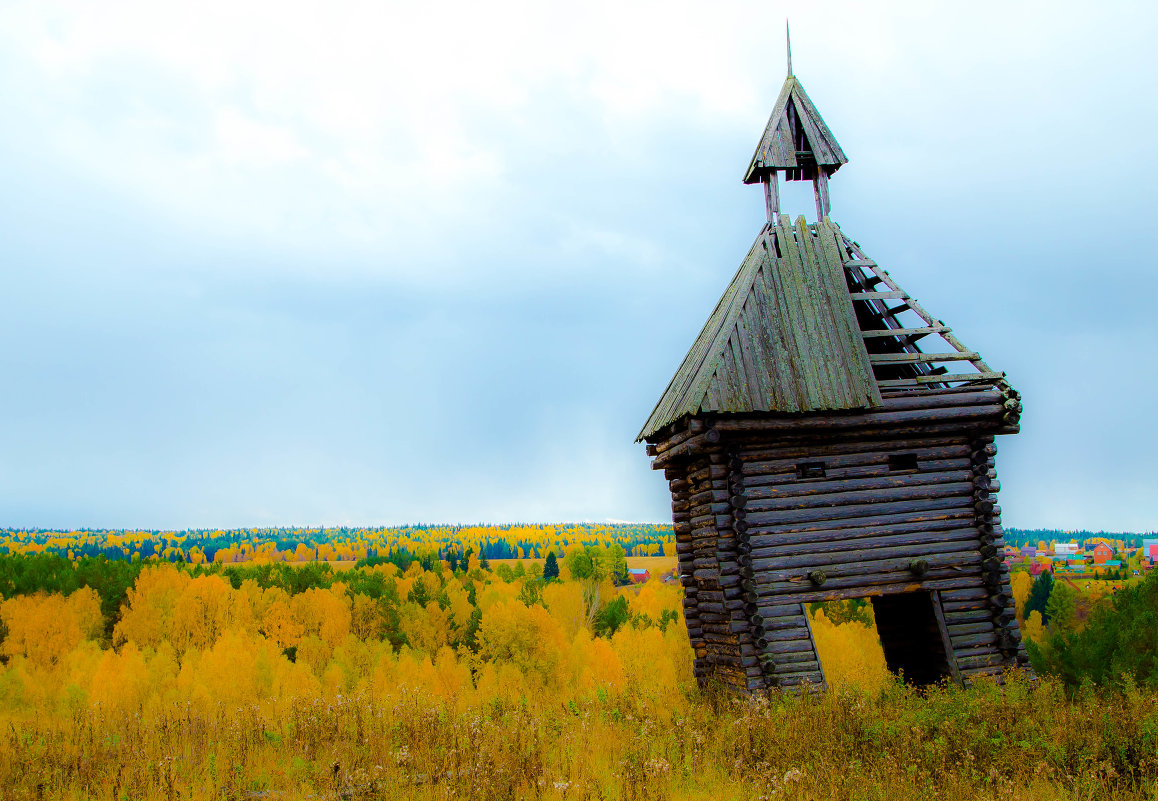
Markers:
845,486
781,623
887,419
984,660
801,680
772,462
976,674
975,649
707,472
775,449
738,663
722,652
677,438
865,590
978,634
830,514
859,540
788,668
709,495
834,562
959,423
931,400
849,574
784,635
706,532
691,446
964,616
965,593
959,630
779,647
711,519
868,526
777,611
773,482
782,660
717,628
961,488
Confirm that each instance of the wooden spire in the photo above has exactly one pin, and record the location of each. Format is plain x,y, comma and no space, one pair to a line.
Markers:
788,36
797,142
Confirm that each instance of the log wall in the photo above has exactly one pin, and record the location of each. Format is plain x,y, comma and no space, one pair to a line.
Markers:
758,536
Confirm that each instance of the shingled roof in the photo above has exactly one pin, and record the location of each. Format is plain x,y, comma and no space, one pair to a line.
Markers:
796,139
783,338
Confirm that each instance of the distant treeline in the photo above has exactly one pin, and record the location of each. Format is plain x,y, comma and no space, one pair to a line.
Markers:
507,541
1032,536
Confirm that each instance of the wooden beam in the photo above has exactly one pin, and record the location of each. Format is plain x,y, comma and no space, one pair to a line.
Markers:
903,332
910,358
861,260
820,188
895,295
939,379
772,196
946,641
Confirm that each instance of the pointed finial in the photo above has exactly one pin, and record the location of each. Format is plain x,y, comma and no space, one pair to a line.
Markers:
788,36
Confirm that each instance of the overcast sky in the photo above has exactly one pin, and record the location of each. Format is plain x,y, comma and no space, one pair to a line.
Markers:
300,263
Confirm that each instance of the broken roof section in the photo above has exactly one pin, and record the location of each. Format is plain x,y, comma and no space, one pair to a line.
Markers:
796,140
783,338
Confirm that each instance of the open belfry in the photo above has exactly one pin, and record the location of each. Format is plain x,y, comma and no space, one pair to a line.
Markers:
827,438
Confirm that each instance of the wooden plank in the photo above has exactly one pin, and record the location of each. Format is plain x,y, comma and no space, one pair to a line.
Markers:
946,643
939,379
916,307
903,332
892,295
812,642
920,358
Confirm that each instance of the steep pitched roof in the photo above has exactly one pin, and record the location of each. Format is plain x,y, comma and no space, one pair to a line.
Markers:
809,323
796,139
783,338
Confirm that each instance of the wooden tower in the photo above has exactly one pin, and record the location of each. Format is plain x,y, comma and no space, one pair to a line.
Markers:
827,438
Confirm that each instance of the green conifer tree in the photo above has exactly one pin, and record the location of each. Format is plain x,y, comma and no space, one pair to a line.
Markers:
551,567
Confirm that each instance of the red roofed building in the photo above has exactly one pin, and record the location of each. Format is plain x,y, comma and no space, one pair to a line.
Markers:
638,575
1102,553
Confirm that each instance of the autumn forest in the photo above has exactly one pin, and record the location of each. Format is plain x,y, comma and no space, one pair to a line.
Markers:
428,668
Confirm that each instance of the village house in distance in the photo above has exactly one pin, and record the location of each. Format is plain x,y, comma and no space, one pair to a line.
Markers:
827,438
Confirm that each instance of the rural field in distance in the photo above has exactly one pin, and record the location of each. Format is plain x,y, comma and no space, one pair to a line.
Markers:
211,667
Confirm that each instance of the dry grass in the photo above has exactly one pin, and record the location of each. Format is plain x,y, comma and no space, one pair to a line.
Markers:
1023,741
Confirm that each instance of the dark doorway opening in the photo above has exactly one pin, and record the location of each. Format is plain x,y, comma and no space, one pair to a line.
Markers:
910,637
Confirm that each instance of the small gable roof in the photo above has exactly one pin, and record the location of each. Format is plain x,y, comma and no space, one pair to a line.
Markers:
794,121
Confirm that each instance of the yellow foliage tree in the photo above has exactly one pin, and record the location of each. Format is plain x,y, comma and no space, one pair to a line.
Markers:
526,637
206,607
44,629
148,610
1022,583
